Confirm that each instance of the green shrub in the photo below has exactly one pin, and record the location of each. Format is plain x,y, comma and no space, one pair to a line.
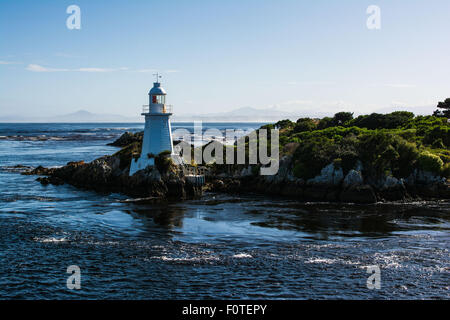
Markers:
384,143
315,153
127,153
163,162
284,140
437,134
407,157
371,147
430,162
438,144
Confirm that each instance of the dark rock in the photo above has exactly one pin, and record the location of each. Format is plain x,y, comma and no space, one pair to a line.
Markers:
39,171
50,180
291,190
105,174
333,194
43,180
444,191
358,194
315,192
394,193
218,183
127,138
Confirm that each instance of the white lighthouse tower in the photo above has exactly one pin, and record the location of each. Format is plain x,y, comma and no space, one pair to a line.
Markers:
157,133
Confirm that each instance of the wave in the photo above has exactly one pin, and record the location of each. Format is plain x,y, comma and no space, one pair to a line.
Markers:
18,197
187,259
17,168
50,240
75,137
242,255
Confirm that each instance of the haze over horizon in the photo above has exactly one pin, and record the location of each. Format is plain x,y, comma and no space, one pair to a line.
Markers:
244,114
215,57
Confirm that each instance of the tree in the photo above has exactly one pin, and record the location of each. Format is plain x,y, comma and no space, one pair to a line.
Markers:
305,124
397,119
446,109
342,118
282,124
325,123
372,121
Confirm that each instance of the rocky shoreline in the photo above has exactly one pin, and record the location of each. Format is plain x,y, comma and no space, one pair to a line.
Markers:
168,181
107,175
332,185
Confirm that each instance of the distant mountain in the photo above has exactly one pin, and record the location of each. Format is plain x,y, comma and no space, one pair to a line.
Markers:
86,116
78,116
244,114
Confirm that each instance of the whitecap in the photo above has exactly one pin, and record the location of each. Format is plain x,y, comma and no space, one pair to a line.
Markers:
321,260
242,255
46,240
186,259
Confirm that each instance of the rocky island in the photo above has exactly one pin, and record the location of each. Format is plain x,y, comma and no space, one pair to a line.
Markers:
371,158
367,159
111,174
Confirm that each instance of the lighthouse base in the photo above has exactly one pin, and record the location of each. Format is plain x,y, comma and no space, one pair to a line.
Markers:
140,164
144,162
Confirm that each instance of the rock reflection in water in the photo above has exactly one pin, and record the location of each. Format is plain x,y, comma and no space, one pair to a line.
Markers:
324,220
165,215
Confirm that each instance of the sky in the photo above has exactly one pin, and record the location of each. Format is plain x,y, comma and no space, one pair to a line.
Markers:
217,56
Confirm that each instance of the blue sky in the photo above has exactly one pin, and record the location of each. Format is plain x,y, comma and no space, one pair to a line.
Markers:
215,56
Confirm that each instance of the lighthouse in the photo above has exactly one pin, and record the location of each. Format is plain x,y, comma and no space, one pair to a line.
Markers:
157,132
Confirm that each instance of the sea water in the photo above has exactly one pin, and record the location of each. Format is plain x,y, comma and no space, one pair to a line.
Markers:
219,246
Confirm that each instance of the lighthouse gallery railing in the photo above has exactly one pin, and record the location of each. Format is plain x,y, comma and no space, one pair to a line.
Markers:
166,109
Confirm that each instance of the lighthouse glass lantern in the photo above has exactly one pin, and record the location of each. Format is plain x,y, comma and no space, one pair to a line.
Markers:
157,131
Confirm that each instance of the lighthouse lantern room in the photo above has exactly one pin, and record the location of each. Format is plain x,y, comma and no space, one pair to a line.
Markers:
157,132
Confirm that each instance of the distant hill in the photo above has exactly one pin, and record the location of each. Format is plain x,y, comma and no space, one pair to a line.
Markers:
86,116
78,116
245,114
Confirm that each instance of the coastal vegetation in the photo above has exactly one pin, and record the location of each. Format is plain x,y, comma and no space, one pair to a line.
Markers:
363,159
386,144
368,158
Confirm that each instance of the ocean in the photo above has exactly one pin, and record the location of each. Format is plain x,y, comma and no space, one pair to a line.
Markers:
216,247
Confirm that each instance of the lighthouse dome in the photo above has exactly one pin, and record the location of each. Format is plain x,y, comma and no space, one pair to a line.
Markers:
157,89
